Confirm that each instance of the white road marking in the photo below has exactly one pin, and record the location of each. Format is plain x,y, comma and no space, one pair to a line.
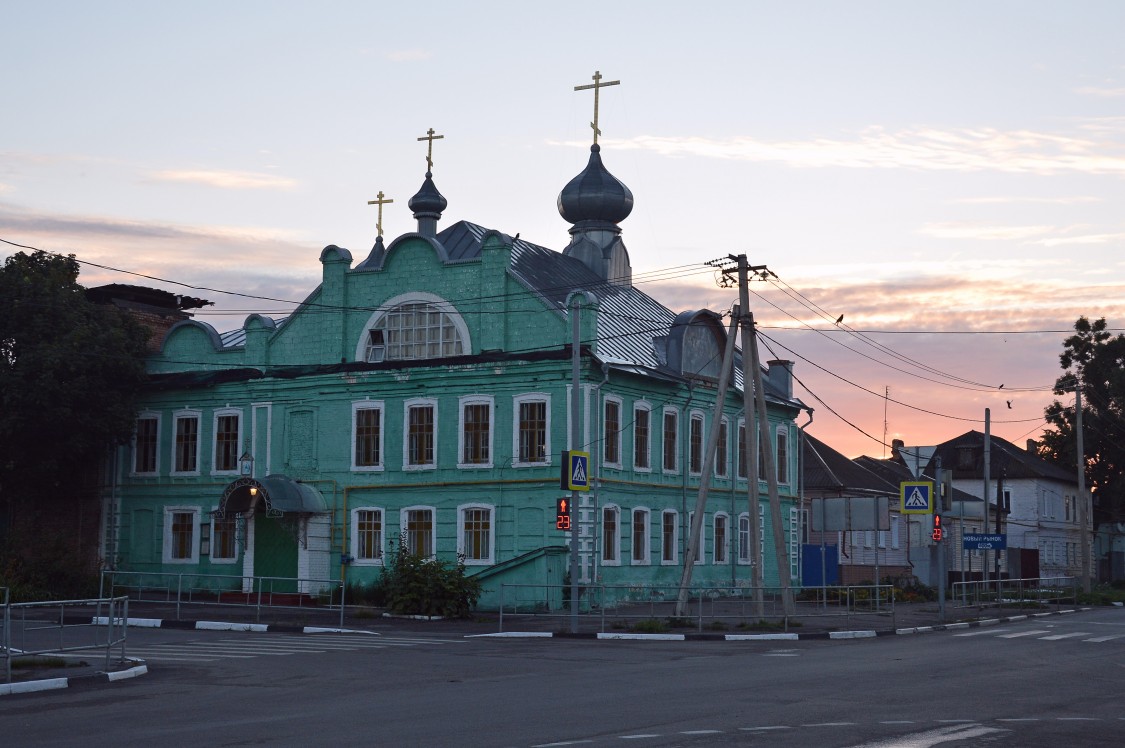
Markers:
1104,638
981,633
1018,634
1056,637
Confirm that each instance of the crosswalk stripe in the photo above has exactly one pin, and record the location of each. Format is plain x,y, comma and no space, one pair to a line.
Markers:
982,632
1056,637
1024,633
1104,638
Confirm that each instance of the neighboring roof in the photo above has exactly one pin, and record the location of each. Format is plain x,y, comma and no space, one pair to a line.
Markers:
827,471
894,472
1005,459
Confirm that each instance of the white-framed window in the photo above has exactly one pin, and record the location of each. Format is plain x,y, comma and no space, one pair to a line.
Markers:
224,540
881,540
420,433
702,535
721,449
474,438
695,443
642,437
146,444
419,530
611,535
670,440
669,538
367,435
868,538
720,538
782,455
896,540
186,442
531,429
227,442
181,541
639,555
797,520
611,431
413,326
741,458
744,536
476,536
368,534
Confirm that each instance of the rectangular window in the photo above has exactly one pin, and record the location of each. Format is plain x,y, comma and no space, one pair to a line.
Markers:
611,435
702,535
719,552
669,538
476,433
187,444
367,535
418,525
420,435
782,456
610,546
640,536
742,450
641,439
224,544
476,534
744,538
532,431
226,442
695,456
670,428
721,452
145,446
368,434
181,544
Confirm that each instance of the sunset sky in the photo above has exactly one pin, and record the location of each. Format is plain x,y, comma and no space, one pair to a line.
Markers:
948,176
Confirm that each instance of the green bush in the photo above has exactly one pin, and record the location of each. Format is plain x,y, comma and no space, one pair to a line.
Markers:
420,586
650,626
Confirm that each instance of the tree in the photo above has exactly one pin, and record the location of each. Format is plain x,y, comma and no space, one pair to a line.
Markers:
69,371
1096,358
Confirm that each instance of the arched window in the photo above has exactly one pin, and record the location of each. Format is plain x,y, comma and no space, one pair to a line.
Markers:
414,326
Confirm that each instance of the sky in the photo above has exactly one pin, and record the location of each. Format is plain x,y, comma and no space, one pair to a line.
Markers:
948,176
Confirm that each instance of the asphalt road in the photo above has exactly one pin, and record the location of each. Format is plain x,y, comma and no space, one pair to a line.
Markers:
1057,681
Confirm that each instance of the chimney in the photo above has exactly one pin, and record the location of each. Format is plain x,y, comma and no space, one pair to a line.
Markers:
780,374
896,445
1032,446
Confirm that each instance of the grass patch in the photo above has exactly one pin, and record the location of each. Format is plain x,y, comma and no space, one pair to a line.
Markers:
35,661
650,626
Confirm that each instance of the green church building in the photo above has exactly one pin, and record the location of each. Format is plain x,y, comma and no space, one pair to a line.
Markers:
423,395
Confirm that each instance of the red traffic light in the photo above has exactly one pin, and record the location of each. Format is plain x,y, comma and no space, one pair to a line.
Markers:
562,514
938,531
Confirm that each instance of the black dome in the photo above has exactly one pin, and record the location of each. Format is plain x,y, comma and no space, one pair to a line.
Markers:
595,195
428,199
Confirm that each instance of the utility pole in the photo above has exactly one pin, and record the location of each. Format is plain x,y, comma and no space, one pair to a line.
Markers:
1083,500
753,450
574,303
987,468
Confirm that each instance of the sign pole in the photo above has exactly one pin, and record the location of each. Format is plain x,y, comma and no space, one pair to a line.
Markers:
941,551
575,376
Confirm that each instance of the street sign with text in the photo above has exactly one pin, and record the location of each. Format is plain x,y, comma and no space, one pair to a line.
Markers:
976,542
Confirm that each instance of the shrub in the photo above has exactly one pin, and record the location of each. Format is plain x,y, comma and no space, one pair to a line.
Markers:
650,626
414,585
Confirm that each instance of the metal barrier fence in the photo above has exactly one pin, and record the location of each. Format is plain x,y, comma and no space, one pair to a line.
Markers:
227,590
653,609
1020,593
49,628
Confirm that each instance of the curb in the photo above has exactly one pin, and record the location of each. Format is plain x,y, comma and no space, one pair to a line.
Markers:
78,681
261,628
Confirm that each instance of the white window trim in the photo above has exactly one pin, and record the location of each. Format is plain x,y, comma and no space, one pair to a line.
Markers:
619,462
414,297
353,540
646,407
378,405
418,402
530,397
166,550
490,401
223,559
676,447
616,511
219,413
715,542
647,520
782,431
697,415
721,459
491,558
741,560
675,560
148,414
433,523
178,416
737,453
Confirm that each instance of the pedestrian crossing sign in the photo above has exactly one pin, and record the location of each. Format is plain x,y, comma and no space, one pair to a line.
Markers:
916,496
575,471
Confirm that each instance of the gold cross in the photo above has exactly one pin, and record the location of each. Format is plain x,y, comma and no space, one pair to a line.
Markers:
380,202
430,148
596,85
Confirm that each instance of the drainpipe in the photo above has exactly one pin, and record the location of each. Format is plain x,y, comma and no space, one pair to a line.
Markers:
803,514
684,450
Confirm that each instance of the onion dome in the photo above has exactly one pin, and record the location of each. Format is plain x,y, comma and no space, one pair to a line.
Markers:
595,195
427,206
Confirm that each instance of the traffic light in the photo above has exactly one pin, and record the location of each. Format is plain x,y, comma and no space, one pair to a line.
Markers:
945,477
562,513
938,531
